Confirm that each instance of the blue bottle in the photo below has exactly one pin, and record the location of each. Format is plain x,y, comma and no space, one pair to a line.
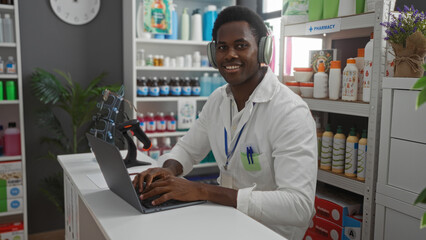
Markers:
209,17
205,85
175,25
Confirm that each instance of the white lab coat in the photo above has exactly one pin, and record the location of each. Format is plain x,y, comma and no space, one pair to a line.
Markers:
280,128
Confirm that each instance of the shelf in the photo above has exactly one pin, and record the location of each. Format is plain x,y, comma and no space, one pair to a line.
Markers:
341,181
11,45
7,7
8,76
400,83
186,69
167,134
172,42
206,165
10,158
355,23
9,102
4,214
338,106
168,99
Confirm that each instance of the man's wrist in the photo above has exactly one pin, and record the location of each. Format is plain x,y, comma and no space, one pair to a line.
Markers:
173,166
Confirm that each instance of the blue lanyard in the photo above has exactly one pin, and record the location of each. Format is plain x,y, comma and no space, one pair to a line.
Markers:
229,154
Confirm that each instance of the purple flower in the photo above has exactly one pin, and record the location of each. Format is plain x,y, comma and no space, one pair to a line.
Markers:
386,38
399,9
406,8
414,29
402,30
395,31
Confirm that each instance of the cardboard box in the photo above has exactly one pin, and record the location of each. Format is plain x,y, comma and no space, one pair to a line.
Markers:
10,173
13,231
322,229
11,205
333,206
11,192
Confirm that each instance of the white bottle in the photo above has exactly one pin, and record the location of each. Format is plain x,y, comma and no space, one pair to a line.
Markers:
321,82
184,28
368,67
10,65
1,30
362,156
360,65
155,151
196,26
335,80
196,59
1,66
8,31
350,81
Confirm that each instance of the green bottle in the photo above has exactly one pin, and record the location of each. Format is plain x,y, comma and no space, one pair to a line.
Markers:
10,90
1,91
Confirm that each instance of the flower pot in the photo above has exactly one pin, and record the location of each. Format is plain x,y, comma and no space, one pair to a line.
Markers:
409,59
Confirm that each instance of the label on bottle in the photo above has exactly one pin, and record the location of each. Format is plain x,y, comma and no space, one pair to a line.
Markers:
351,155
326,152
154,91
186,90
176,90
350,82
338,161
164,90
367,80
360,83
362,160
142,125
196,91
142,91
11,68
154,154
1,67
161,125
151,126
171,125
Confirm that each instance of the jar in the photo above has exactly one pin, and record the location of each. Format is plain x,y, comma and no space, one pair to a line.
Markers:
307,89
294,86
303,74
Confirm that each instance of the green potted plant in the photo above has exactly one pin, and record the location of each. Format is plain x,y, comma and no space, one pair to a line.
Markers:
421,99
66,101
406,33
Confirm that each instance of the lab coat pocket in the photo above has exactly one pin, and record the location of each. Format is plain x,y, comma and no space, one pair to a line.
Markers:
250,161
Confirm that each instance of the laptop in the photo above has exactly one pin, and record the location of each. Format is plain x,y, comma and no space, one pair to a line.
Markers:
118,180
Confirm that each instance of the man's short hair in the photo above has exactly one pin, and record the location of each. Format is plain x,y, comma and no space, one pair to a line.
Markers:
241,13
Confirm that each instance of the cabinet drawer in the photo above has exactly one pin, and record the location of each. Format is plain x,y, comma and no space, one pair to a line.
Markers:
407,123
407,165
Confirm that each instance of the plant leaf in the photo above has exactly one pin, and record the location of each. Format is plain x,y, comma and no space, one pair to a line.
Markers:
421,98
421,198
46,87
52,187
423,221
420,84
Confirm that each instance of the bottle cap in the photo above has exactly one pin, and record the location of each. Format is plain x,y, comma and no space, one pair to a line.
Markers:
302,69
210,8
196,11
321,67
335,64
351,61
1,127
339,129
352,132
185,11
292,83
328,127
205,74
364,133
12,124
360,52
307,84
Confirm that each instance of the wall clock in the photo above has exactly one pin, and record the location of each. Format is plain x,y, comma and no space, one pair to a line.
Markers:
76,12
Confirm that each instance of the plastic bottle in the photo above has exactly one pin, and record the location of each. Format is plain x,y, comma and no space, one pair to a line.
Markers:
11,90
142,88
319,138
347,7
153,89
335,80
10,65
350,81
155,151
321,82
1,90
1,140
339,143
215,82
160,122
140,58
149,60
196,59
195,87
184,28
12,140
141,120
330,8
150,123
351,154
8,31
164,87
326,148
1,30
362,156
360,66
174,22
1,66
205,85
209,17
175,88
196,26
186,87
167,146
368,67
171,122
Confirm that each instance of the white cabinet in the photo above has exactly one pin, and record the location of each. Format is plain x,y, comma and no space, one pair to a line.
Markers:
13,111
401,162
351,27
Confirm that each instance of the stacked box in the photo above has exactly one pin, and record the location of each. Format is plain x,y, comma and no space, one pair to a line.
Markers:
10,173
13,231
320,229
11,186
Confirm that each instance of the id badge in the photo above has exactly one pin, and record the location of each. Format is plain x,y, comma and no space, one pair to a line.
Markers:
226,179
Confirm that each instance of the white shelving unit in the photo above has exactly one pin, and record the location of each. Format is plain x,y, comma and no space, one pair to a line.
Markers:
352,27
13,110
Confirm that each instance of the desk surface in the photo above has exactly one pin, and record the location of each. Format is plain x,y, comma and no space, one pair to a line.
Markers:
119,220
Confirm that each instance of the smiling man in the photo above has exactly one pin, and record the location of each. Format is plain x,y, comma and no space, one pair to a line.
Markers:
262,136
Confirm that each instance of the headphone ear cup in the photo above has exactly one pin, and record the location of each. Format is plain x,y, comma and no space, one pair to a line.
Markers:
211,53
265,50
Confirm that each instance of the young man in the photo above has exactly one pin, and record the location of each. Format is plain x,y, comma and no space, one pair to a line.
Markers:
262,136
